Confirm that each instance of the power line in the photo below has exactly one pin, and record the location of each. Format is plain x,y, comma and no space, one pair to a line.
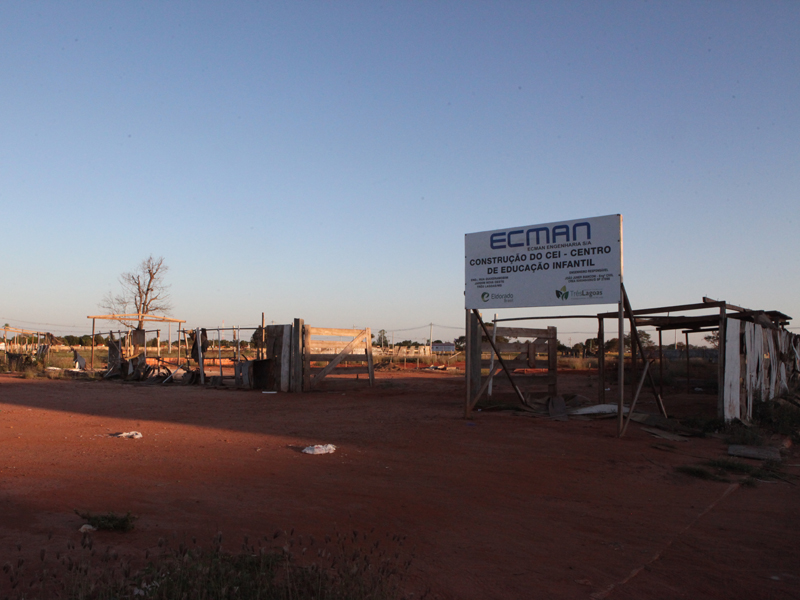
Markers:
10,319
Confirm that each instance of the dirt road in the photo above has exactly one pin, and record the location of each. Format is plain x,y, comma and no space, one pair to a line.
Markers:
499,507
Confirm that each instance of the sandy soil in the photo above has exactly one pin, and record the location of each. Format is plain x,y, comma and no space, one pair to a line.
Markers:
501,506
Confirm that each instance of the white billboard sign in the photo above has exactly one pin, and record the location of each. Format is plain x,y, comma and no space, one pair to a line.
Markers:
554,264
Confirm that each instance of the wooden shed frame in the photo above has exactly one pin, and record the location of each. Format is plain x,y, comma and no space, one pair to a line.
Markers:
738,328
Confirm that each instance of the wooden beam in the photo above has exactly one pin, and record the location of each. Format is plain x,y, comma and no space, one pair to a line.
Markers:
339,358
334,332
522,332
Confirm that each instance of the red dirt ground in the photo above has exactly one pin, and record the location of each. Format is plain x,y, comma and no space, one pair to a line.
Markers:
499,507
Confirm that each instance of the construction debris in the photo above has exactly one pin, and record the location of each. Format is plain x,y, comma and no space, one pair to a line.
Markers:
320,449
133,435
762,453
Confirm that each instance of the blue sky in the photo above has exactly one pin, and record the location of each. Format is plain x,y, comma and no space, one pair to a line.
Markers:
324,160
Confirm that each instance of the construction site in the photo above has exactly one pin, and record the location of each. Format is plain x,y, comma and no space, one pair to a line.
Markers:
491,471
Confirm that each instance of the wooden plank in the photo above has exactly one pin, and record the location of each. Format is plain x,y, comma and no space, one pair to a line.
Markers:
473,359
297,357
732,371
284,370
345,370
306,355
751,366
318,345
334,332
348,358
332,365
758,453
521,332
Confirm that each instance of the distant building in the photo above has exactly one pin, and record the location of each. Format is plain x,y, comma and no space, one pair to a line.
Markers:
448,347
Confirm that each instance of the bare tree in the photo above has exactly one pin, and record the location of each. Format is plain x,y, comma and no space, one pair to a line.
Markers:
143,291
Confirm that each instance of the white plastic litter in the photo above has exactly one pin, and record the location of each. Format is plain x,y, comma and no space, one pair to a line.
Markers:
87,527
320,449
134,435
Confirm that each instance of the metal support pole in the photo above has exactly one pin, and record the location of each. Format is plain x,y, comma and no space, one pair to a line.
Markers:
601,360
621,365
491,360
467,365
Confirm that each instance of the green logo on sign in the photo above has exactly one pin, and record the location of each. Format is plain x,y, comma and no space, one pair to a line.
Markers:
562,293
485,296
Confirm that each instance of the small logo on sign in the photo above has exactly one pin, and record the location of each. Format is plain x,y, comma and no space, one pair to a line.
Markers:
563,294
485,296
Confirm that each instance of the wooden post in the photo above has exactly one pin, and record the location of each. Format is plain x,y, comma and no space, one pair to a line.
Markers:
634,350
368,341
601,360
92,363
688,377
219,354
621,365
158,343
430,345
169,339
286,358
723,333
179,346
660,364
473,359
306,357
199,340
262,350
297,357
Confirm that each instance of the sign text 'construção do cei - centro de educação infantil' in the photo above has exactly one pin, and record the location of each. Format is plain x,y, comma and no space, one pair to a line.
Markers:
553,264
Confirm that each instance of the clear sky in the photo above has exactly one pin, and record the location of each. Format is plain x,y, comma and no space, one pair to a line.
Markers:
323,160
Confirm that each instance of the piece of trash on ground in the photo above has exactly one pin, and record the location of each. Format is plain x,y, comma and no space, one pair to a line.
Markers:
268,392
134,435
87,527
320,449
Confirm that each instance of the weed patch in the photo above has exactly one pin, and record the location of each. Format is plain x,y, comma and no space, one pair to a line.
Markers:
109,521
700,473
738,433
777,417
341,568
